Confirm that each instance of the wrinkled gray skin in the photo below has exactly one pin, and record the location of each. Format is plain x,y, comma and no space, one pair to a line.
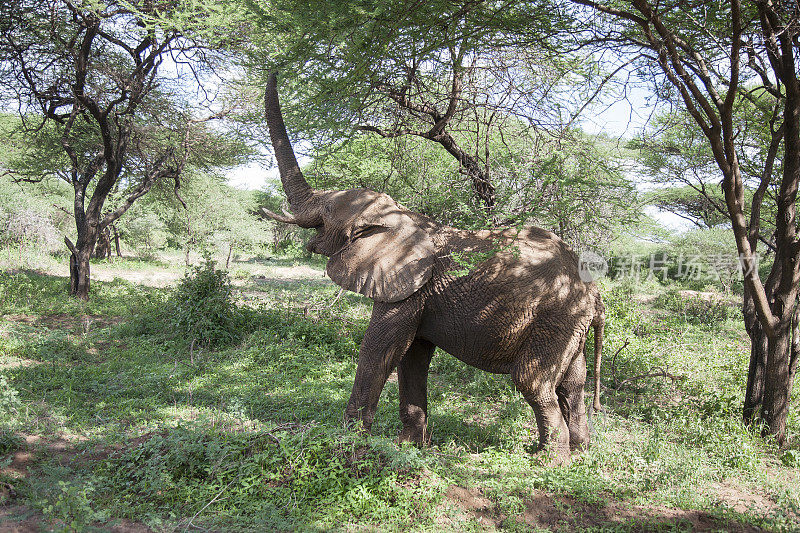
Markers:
521,310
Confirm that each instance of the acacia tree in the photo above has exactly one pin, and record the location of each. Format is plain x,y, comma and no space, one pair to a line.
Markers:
81,73
576,187
677,156
454,74
707,55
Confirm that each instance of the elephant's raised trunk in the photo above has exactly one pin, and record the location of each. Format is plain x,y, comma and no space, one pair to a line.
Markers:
297,189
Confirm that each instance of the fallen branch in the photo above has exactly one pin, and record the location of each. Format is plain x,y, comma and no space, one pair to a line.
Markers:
659,373
614,360
307,310
215,498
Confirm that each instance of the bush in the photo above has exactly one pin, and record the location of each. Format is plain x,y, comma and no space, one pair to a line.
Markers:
146,233
9,399
695,309
27,226
9,442
201,308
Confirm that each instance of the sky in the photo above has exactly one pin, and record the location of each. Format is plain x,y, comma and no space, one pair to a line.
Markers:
252,176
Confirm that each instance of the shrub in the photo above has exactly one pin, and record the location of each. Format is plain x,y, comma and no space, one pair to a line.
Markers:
9,442
27,226
695,309
71,506
146,233
9,398
201,308
241,273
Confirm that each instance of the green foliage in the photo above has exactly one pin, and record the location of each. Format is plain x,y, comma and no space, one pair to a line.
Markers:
202,309
707,310
9,399
216,218
338,52
791,458
72,507
127,127
578,189
345,67
9,442
330,477
687,203
145,232
30,214
575,187
33,292
265,449
677,157
35,216
412,170
699,259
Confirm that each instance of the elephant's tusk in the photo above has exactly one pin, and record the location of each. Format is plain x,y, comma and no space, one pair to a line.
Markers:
286,217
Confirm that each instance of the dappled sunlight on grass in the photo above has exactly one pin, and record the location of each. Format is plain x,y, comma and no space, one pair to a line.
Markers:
161,426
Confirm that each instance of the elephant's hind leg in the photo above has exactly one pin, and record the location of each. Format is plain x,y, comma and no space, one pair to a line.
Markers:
412,380
536,375
570,398
553,431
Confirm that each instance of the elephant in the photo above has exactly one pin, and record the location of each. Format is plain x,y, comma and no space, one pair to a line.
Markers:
523,308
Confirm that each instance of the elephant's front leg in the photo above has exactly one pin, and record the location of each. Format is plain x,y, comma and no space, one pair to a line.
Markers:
390,332
412,380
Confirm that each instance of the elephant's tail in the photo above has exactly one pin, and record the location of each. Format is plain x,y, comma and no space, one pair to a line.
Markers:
598,323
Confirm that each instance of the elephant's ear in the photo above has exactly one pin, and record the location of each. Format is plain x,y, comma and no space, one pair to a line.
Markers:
388,257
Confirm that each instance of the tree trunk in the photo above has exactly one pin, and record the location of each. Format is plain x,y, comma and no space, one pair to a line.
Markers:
775,404
79,273
228,261
759,348
81,251
772,360
754,394
102,249
116,240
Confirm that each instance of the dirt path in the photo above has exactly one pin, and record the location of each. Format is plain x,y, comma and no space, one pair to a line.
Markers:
242,272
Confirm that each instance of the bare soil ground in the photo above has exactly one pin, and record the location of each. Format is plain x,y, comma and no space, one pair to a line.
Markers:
18,518
171,268
561,513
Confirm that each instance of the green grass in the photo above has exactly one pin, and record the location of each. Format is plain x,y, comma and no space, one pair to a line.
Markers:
133,422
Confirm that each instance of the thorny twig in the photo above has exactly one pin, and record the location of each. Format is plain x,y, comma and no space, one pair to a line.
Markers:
654,372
